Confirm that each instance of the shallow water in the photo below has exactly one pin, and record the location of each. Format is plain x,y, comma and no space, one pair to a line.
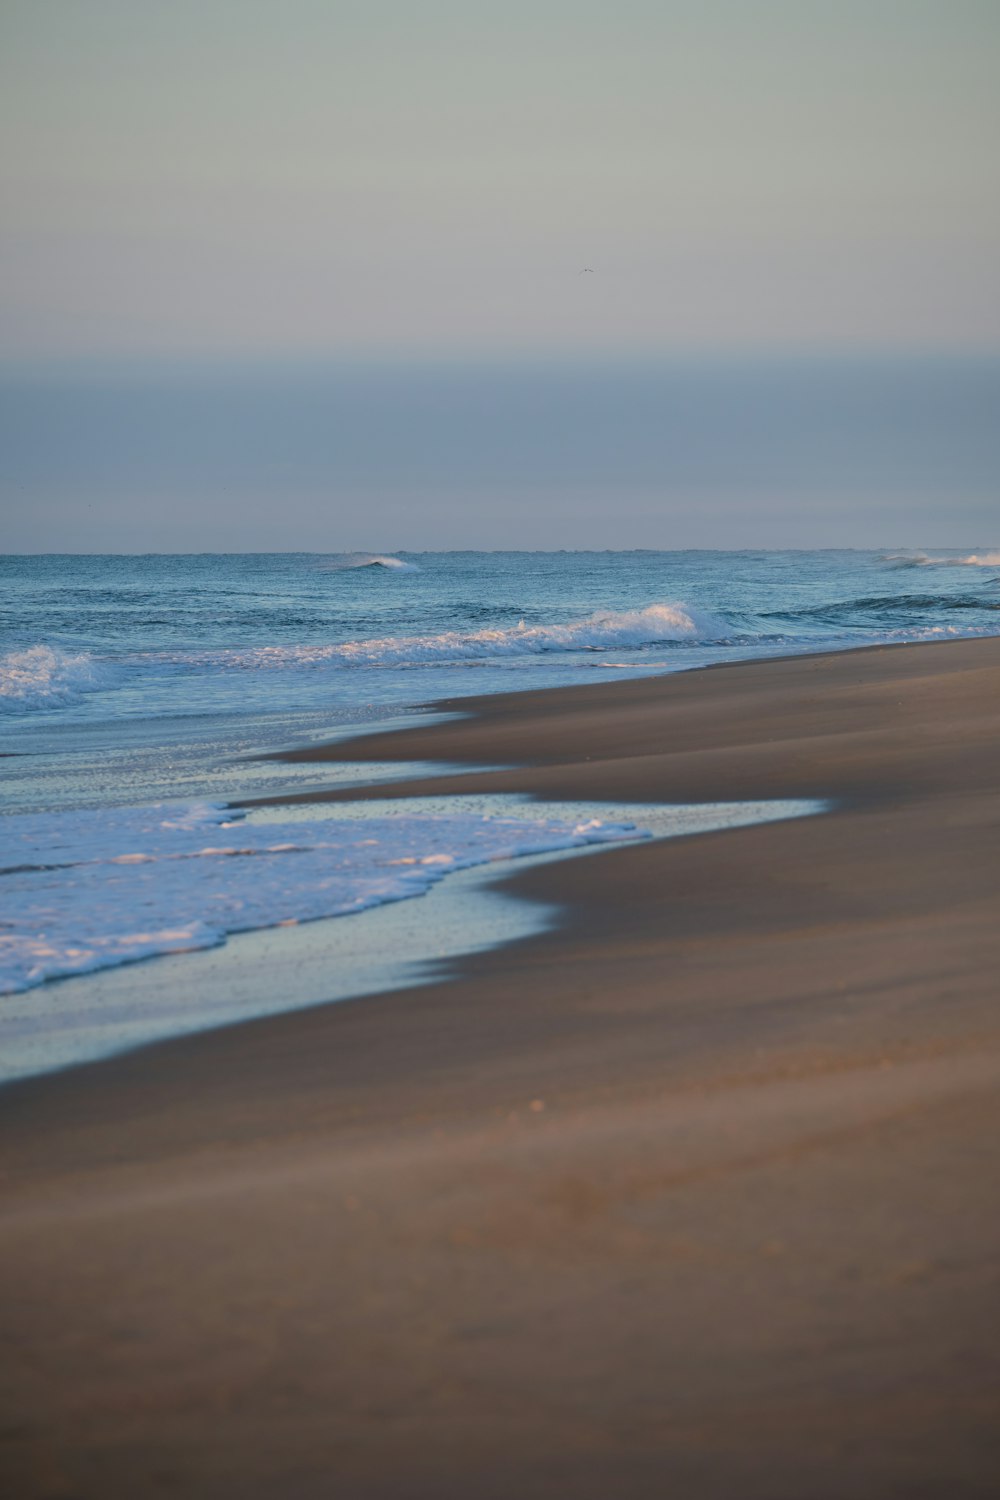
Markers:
102,887
290,967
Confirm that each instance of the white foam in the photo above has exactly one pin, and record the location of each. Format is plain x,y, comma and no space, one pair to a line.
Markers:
605,630
346,560
924,560
97,888
43,676
288,967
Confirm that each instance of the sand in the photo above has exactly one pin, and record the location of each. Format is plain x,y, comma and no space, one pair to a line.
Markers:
694,1195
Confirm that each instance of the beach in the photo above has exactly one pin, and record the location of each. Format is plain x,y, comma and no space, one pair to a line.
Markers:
693,1194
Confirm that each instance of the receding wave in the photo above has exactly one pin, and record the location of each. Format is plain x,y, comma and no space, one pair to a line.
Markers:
344,561
925,560
97,888
45,677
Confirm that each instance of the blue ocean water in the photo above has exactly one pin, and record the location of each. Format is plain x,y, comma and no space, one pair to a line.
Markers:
124,678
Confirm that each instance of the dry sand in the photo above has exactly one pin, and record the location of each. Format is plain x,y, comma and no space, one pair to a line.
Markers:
695,1195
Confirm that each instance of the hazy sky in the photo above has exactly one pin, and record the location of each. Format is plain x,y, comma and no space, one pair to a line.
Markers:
309,273
325,176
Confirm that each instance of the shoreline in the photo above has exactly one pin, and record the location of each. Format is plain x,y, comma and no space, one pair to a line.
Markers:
693,1191
530,727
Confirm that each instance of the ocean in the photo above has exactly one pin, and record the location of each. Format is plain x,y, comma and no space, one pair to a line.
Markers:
129,677
137,694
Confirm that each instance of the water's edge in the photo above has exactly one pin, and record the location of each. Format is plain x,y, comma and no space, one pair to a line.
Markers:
406,943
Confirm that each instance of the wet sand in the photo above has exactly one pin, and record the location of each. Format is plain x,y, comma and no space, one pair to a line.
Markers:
695,1195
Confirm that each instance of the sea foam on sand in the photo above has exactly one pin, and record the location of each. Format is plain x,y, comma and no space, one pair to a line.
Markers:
131,869
92,889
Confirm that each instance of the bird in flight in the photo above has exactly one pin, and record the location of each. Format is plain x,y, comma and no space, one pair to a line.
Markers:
587,270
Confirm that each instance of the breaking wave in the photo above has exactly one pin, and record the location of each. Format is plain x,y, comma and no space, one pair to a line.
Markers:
603,631
345,561
924,560
45,677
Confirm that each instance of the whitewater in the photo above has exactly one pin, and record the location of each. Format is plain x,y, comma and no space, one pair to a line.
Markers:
96,639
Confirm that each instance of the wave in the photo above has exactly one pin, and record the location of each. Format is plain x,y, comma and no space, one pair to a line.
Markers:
45,677
605,630
892,618
875,609
925,560
345,561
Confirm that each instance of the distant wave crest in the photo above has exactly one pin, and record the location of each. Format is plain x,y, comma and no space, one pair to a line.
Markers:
44,676
925,560
344,561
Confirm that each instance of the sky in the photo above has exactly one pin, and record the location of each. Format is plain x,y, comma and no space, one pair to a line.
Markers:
220,182
230,175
